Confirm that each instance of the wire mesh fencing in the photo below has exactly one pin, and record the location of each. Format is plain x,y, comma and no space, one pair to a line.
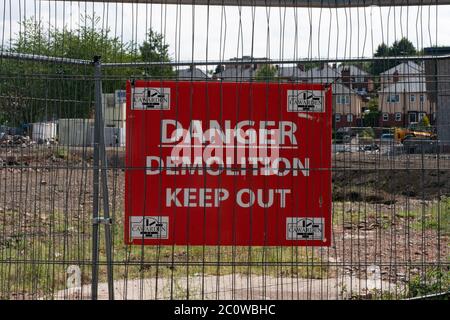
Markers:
72,123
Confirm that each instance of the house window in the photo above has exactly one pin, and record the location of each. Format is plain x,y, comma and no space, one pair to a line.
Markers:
343,99
412,98
393,98
412,117
337,117
398,116
422,98
385,116
349,117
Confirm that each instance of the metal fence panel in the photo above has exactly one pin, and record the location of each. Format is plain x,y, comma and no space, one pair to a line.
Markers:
63,70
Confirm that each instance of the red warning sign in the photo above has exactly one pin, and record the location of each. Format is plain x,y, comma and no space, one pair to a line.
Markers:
224,163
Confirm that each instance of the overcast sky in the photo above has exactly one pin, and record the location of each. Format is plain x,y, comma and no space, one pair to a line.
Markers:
194,32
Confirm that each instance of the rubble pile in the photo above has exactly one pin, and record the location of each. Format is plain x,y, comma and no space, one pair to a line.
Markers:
7,140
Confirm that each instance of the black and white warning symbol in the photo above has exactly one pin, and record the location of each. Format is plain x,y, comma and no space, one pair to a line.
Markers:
150,98
304,229
149,227
305,101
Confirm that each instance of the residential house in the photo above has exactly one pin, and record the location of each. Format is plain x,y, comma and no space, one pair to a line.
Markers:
348,106
404,102
402,71
347,103
321,74
191,73
240,71
356,78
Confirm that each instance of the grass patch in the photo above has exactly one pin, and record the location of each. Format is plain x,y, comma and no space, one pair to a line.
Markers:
435,217
428,216
35,255
352,212
36,249
60,153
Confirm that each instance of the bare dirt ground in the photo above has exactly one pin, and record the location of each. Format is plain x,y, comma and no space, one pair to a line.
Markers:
391,214
234,287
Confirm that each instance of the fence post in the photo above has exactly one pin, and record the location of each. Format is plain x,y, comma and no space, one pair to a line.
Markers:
96,175
100,162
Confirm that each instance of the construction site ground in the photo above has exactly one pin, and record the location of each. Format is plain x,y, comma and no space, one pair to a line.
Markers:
390,219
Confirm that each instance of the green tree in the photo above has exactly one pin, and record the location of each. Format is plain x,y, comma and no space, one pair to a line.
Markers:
32,91
403,47
155,49
89,39
382,51
32,39
43,91
266,73
311,65
372,115
219,68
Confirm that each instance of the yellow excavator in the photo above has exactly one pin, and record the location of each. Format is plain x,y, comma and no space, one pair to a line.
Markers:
415,131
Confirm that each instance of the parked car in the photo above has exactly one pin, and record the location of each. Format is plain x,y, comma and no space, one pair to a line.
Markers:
387,138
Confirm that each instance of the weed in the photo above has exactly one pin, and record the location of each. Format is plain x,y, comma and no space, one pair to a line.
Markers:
432,282
61,153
